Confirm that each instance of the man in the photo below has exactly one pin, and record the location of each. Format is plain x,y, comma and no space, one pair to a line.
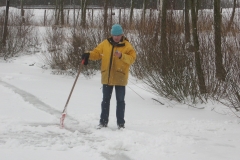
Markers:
117,55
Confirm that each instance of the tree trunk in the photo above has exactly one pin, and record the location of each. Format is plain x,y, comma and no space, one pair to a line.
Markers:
159,5
199,70
232,16
157,27
62,12
144,11
111,12
164,53
74,18
187,24
120,16
105,24
57,13
22,12
197,8
5,24
83,13
220,71
45,18
131,12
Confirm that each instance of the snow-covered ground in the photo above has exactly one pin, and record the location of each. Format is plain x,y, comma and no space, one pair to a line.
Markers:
32,100
31,104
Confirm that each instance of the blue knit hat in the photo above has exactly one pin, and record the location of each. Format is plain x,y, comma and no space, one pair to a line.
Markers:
116,30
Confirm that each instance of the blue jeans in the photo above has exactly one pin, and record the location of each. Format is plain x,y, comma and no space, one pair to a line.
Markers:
120,96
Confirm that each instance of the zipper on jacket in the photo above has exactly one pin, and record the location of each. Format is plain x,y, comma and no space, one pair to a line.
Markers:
109,71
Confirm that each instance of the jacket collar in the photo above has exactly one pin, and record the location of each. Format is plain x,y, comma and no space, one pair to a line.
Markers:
119,44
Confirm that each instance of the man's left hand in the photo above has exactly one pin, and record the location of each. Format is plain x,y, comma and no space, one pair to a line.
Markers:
118,54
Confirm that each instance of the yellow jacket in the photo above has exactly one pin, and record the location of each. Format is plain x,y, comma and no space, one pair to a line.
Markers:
114,70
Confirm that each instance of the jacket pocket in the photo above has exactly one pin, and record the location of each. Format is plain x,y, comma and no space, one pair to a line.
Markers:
104,77
121,72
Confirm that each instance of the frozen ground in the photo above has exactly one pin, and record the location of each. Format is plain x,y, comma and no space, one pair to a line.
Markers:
32,100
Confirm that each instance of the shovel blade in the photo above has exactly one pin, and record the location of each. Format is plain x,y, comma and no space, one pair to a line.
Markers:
62,120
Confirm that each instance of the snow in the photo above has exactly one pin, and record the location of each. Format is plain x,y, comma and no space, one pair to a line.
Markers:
32,100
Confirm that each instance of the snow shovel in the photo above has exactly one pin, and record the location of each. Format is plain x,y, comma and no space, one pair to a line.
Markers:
65,108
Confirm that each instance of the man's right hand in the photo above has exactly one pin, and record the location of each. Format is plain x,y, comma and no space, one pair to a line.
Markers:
85,57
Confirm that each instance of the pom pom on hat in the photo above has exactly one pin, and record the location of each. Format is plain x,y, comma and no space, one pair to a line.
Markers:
116,30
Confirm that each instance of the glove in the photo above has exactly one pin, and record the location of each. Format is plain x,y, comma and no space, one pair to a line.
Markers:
85,57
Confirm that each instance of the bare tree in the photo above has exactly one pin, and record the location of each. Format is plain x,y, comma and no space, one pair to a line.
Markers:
5,24
164,52
220,71
157,26
83,9
232,16
187,24
144,9
105,24
62,11
201,79
57,13
22,12
131,11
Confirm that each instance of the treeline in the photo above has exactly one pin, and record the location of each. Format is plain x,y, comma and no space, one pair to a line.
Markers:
173,4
